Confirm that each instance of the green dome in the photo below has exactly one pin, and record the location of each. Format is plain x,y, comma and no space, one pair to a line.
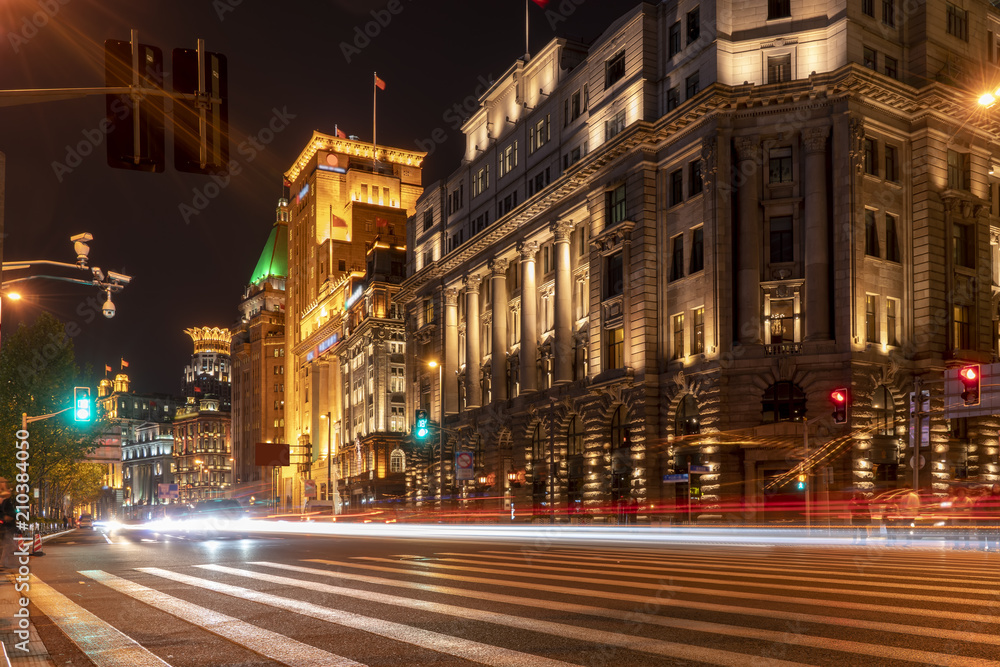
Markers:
274,258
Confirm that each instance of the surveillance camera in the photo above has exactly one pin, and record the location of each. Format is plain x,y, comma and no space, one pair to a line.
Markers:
119,277
82,238
108,308
81,248
97,273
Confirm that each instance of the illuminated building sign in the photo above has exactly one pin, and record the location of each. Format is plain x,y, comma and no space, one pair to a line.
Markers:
354,297
303,192
327,344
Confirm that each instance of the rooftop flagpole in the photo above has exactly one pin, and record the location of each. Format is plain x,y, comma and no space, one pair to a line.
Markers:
374,115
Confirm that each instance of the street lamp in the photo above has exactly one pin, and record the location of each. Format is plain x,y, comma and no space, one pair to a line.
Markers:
989,99
329,462
440,367
201,472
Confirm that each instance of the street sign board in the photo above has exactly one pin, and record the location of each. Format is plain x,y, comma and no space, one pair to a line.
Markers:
673,479
464,465
701,470
271,454
168,491
309,488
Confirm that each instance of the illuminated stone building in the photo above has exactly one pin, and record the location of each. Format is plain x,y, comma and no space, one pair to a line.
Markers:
147,462
372,464
343,203
258,361
208,374
202,449
669,246
126,412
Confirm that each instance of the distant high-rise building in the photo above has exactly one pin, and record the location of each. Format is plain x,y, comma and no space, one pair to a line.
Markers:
208,374
258,360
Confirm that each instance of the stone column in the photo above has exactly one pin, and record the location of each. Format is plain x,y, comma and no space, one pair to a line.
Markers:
473,356
817,231
748,241
529,317
498,379
449,373
563,310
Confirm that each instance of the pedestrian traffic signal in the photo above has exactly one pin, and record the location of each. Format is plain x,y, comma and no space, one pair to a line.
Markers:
83,409
801,484
970,377
840,398
423,428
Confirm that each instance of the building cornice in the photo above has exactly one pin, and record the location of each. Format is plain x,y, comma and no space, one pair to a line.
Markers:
320,141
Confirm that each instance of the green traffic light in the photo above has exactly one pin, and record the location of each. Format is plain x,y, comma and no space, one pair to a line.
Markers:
82,407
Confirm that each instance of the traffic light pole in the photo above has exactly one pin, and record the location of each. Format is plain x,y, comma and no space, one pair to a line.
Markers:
805,471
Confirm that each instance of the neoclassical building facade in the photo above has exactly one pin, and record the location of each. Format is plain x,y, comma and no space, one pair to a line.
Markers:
670,246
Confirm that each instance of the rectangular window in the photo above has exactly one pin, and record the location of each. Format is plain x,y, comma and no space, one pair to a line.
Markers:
615,125
891,322
780,165
871,157
891,239
677,258
889,13
614,201
692,85
868,7
481,181
778,9
959,173
870,58
694,25
779,68
428,311
539,134
964,245
508,159
674,39
697,250
676,187
614,276
891,67
614,69
694,178
615,348
871,318
958,22
428,220
891,163
871,234
673,98
782,321
781,239
698,331
961,329
678,352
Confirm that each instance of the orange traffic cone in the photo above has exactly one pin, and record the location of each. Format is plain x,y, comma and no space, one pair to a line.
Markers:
36,547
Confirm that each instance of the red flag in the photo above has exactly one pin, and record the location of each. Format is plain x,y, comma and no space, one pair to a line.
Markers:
379,83
381,222
197,390
287,183
541,3
107,369
124,364
341,133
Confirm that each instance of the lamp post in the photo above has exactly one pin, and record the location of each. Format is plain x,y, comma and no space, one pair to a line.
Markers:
201,474
330,490
440,367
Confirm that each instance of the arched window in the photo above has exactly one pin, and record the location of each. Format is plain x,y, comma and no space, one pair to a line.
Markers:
618,428
537,444
574,438
885,411
783,402
687,421
397,461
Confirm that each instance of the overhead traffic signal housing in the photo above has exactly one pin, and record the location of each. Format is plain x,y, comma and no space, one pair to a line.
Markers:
134,123
83,408
971,378
840,397
201,125
423,428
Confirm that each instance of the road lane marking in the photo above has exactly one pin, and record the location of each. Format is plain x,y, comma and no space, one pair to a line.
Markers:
269,644
634,643
630,571
104,644
711,592
486,654
797,639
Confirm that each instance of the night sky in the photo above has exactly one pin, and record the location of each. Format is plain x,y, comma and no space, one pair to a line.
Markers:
285,58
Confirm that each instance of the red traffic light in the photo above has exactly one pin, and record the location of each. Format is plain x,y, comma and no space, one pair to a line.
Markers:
838,396
970,373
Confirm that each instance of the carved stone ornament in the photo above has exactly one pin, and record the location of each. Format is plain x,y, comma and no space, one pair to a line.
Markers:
748,148
499,266
451,296
527,250
814,138
561,230
857,152
709,168
472,283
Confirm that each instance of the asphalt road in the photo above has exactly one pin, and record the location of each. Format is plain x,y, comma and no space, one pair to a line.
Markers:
302,600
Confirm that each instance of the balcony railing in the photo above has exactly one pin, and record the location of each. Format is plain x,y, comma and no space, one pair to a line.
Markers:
782,349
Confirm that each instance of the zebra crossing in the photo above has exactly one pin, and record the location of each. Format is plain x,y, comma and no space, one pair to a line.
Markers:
556,605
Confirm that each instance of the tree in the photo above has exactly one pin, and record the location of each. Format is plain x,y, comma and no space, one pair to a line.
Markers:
37,374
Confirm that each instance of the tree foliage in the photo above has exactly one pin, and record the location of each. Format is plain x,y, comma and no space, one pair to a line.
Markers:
37,374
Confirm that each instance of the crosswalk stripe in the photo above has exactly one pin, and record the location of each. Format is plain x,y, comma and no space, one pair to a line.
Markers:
663,586
749,584
269,644
486,654
799,639
630,571
634,643
105,645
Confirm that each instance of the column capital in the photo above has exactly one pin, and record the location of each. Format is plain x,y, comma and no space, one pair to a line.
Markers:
498,266
472,283
748,148
561,229
450,296
814,138
527,250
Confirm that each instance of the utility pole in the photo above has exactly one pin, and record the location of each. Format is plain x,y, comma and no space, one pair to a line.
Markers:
805,471
918,404
552,459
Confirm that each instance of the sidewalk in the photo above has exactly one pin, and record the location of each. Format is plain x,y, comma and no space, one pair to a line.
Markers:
37,655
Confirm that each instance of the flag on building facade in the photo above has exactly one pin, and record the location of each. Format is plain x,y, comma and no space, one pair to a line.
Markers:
381,222
339,132
379,83
107,369
124,364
